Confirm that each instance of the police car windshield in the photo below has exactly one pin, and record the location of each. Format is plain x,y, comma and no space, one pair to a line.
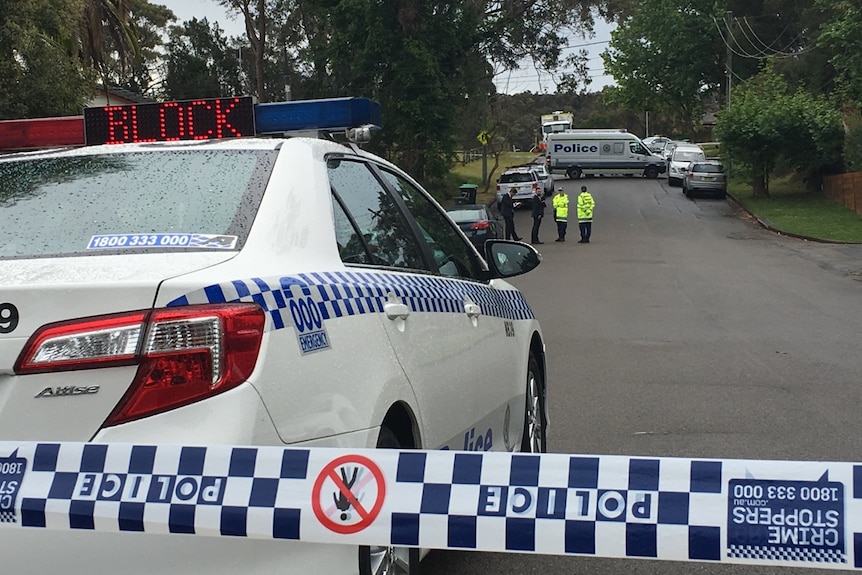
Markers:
57,205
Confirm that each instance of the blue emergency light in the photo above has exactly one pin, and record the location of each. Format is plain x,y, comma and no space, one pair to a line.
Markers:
333,114
202,119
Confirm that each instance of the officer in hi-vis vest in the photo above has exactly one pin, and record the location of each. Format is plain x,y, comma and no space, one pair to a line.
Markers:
561,213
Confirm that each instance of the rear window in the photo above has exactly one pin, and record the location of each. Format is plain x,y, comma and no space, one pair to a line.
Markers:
517,178
709,168
687,156
463,216
53,206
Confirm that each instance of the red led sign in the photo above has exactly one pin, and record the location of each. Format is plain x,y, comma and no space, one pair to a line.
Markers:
206,119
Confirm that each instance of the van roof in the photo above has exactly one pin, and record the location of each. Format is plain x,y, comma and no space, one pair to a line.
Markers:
601,134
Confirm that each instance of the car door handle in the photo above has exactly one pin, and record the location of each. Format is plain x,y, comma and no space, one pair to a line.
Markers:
395,308
472,309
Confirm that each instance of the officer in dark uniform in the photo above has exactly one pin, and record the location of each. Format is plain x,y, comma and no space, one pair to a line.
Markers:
538,214
507,210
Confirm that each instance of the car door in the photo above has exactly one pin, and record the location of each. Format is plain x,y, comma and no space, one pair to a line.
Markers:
454,336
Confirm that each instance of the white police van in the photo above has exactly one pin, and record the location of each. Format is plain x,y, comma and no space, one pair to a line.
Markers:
579,152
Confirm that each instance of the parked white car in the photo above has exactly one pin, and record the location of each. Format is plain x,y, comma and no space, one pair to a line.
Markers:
680,158
524,180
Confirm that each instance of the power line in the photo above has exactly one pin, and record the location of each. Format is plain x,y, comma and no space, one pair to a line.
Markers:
735,47
587,44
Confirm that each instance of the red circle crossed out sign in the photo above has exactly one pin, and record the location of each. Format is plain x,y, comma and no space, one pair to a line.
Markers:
348,494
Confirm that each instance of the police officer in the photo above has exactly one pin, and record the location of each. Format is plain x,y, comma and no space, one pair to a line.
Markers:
507,210
561,213
538,214
585,215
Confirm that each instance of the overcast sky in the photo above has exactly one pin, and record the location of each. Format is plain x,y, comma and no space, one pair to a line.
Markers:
512,82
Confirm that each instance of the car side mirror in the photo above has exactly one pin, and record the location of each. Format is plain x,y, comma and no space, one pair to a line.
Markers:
508,259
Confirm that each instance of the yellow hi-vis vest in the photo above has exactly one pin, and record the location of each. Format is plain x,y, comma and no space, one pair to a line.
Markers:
561,207
585,207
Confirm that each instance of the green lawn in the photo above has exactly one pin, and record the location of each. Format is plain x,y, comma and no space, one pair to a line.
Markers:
789,208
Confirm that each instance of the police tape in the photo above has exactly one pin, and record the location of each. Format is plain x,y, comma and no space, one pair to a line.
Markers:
777,513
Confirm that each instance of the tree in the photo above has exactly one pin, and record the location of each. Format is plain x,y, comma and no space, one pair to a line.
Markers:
105,33
428,61
148,24
665,58
766,121
41,74
257,15
200,63
842,36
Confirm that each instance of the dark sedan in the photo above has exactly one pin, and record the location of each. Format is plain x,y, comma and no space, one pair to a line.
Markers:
477,223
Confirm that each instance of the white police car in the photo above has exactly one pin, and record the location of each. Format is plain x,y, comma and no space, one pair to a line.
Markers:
171,285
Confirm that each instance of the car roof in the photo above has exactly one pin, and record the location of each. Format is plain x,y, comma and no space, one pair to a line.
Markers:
458,207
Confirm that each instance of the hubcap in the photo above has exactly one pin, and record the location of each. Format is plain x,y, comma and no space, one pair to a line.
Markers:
390,560
535,433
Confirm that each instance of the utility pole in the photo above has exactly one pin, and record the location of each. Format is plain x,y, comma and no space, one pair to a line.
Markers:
728,19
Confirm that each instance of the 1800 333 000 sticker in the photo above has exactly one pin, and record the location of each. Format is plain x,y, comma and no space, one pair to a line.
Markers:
142,241
12,469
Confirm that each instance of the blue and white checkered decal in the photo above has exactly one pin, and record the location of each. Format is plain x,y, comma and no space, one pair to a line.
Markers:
778,513
307,301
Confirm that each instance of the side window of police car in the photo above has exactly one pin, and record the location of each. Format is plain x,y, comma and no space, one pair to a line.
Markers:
453,256
369,227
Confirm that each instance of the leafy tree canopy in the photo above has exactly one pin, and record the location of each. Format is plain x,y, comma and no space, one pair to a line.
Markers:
767,121
665,57
38,60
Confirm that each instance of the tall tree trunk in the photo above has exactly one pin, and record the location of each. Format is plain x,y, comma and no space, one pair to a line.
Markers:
760,184
260,49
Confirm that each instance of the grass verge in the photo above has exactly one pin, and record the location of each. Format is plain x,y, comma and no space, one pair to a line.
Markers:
792,209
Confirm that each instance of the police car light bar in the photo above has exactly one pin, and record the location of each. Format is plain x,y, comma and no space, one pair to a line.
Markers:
334,114
203,119
41,133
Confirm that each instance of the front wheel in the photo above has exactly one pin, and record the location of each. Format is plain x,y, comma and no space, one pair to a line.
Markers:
534,439
574,173
377,560
651,172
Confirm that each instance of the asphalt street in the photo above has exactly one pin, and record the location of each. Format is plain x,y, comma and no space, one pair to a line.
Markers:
684,329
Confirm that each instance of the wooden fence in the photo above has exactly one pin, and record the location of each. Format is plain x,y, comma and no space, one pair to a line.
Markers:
845,188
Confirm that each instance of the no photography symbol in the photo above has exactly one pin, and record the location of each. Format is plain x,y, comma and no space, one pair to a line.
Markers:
348,494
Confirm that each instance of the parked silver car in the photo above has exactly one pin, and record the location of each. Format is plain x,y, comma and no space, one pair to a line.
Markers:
706,177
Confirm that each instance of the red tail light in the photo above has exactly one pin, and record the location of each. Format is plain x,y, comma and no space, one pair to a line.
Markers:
183,354
483,225
498,187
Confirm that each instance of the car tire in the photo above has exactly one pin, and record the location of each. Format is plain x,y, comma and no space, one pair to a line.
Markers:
534,439
379,560
651,172
574,173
